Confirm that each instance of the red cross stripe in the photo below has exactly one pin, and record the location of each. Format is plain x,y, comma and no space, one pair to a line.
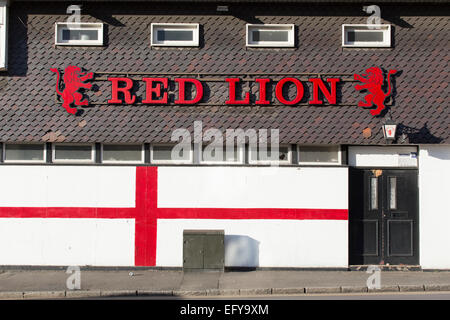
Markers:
146,213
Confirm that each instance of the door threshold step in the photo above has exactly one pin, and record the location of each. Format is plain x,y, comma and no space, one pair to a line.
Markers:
384,267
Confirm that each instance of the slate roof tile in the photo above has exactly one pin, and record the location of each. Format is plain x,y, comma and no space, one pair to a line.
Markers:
29,112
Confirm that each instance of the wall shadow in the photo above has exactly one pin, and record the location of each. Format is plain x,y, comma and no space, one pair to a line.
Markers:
417,135
241,251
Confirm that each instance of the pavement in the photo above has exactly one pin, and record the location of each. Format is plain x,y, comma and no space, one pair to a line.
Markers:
21,283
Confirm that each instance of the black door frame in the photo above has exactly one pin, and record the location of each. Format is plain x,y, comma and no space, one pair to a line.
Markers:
383,192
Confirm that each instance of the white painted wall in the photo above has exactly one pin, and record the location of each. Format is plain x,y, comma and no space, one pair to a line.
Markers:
252,187
382,156
434,199
68,241
257,242
75,241
262,243
67,186
44,241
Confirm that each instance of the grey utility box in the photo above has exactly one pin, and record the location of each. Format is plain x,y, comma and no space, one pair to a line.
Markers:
203,250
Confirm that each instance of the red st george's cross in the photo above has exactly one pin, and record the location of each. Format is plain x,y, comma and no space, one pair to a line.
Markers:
146,213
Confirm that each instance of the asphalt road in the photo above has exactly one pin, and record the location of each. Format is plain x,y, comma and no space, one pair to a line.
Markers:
341,296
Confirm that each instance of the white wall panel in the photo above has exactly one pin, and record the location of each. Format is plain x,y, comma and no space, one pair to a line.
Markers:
67,186
380,156
252,187
36,241
263,243
434,199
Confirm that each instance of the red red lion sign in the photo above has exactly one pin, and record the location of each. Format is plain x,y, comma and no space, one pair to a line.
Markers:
373,81
157,90
74,80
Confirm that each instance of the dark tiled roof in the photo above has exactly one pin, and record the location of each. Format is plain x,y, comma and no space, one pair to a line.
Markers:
29,112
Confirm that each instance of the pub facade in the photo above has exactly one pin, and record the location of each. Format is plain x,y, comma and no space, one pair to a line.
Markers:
313,134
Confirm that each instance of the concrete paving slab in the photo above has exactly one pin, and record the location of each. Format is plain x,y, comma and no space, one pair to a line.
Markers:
11,295
255,291
82,293
200,280
385,289
44,294
182,293
288,290
154,293
322,290
212,292
228,292
118,293
354,289
231,283
432,287
444,287
411,287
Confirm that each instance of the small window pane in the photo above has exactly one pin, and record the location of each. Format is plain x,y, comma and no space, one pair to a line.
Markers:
319,154
85,34
270,35
364,36
72,152
175,35
393,192
266,35
164,153
209,154
269,154
373,193
70,34
24,152
132,153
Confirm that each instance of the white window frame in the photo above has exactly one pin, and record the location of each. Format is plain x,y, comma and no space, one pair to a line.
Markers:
92,160
152,161
195,27
285,27
320,163
240,153
122,161
3,35
44,149
60,26
288,161
386,28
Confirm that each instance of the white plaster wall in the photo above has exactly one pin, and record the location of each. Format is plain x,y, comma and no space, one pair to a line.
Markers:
300,243
67,186
68,241
257,242
382,156
434,199
55,241
262,243
252,187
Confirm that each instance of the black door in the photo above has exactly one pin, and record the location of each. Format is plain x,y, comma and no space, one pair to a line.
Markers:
383,217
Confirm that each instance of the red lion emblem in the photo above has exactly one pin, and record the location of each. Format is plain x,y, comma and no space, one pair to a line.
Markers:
373,81
73,81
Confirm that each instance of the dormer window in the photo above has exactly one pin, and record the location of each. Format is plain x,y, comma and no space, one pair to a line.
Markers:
79,34
366,36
